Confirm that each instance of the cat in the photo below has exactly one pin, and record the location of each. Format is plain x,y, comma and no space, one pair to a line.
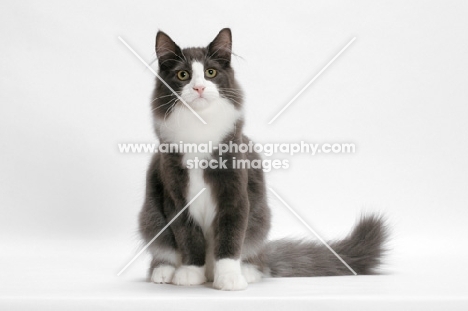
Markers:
222,236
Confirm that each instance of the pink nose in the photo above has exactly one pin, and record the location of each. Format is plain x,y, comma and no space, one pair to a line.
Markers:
199,89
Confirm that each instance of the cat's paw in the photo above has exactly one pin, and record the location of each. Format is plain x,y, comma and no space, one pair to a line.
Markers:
251,273
230,281
228,275
189,275
162,274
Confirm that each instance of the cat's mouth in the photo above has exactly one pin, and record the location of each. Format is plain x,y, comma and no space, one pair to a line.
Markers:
199,103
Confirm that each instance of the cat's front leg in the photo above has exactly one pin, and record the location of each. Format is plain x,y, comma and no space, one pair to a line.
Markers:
230,227
228,275
191,245
187,275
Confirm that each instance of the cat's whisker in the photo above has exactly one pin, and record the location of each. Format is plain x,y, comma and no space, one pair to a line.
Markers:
155,99
240,103
217,59
172,52
217,50
169,111
172,94
173,60
230,91
184,56
230,96
169,102
229,88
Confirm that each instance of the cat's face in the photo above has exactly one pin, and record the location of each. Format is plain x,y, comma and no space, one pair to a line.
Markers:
202,77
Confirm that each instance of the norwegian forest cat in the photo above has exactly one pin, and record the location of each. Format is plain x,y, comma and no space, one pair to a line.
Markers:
222,236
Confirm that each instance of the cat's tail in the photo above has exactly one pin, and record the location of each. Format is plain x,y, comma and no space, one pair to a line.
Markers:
362,250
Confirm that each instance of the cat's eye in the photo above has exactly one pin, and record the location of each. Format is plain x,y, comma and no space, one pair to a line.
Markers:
183,75
211,73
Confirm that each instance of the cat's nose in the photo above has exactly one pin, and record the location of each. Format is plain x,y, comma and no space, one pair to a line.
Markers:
199,89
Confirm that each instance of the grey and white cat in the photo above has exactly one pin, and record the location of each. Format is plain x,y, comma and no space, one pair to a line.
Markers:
222,236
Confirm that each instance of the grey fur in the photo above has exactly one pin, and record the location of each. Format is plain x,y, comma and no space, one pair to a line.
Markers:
242,220
362,250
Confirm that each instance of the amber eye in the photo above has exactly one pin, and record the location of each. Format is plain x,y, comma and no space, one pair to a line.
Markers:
210,73
183,75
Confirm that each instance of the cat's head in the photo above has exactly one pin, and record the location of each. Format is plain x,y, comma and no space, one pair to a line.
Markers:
202,76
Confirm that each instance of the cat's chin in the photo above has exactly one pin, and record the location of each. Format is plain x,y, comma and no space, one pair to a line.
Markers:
200,104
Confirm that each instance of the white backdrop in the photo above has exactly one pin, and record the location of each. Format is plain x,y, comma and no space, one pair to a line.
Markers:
70,92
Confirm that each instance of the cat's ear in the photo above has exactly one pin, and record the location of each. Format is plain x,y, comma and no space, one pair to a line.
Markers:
221,46
166,49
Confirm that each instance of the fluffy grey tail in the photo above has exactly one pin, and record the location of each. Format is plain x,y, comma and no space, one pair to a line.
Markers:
362,250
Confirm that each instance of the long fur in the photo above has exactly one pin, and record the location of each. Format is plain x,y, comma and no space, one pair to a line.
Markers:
362,250
223,235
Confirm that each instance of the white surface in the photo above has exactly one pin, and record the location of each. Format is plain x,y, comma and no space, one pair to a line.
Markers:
77,274
70,92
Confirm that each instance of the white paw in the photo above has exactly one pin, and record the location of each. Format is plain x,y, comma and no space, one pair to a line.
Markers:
189,275
228,275
251,273
230,281
162,274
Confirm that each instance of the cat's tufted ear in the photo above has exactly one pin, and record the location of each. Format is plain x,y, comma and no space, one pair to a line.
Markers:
221,46
166,49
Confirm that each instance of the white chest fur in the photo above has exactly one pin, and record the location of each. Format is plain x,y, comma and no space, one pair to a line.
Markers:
203,209
183,125
203,212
